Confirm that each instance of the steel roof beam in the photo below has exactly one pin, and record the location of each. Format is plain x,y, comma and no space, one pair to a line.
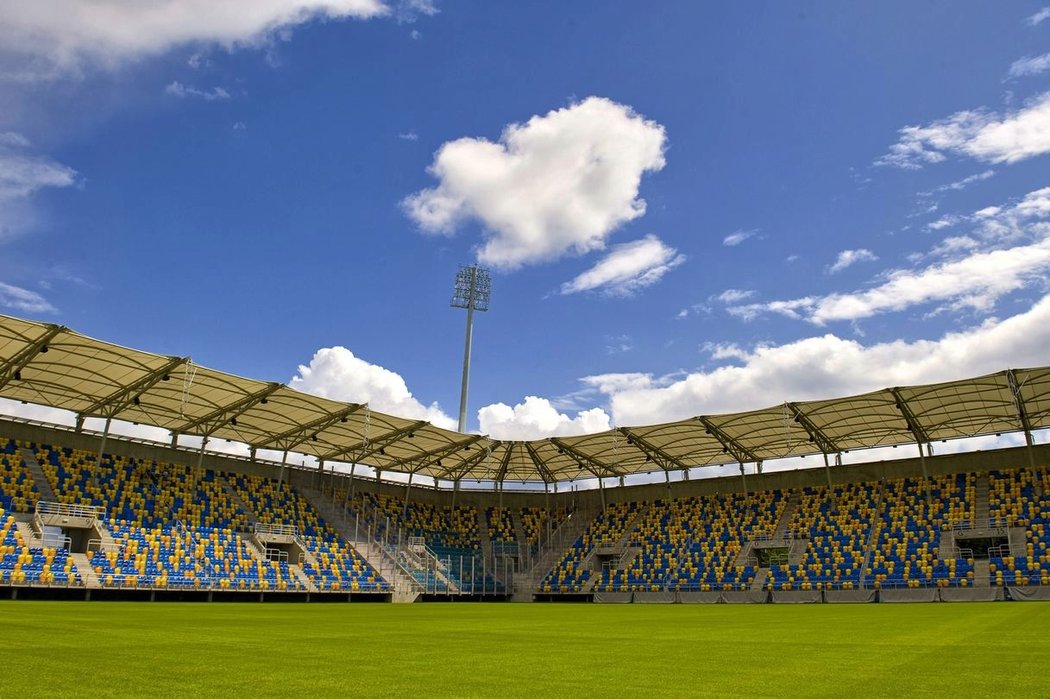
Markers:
126,395
21,359
1022,411
464,466
590,461
541,466
661,457
299,434
729,445
220,416
373,446
816,436
436,454
909,417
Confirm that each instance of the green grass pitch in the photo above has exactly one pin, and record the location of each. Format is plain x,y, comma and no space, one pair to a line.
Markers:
126,649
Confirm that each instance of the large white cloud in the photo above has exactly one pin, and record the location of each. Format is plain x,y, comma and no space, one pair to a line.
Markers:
559,182
334,372
536,418
45,38
628,268
826,366
978,133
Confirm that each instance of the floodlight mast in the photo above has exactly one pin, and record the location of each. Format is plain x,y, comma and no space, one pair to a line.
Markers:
473,291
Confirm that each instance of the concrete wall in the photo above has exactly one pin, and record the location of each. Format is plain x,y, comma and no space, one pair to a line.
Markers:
591,499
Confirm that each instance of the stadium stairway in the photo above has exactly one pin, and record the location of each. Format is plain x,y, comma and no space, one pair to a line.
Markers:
87,573
519,528
232,493
981,508
761,578
486,538
628,554
873,533
43,485
785,516
405,588
553,550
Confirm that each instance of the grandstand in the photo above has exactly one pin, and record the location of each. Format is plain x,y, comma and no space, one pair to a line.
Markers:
96,515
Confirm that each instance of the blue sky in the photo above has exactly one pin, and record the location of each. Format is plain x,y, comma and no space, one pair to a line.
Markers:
687,208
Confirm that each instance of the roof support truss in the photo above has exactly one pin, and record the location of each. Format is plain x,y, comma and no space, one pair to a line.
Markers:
589,462
299,434
371,447
434,455
126,395
729,445
1022,412
541,466
10,368
209,423
457,471
909,417
815,435
661,457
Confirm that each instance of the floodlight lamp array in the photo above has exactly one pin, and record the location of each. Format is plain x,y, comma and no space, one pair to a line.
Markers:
473,288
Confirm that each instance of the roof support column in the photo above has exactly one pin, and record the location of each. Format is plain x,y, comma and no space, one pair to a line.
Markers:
320,474
350,489
925,478
743,479
408,486
455,489
379,482
200,461
284,461
827,470
500,484
667,478
601,490
102,444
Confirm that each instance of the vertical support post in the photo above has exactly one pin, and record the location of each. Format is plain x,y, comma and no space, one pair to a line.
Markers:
743,478
102,444
667,478
284,462
320,474
601,489
379,482
455,489
827,471
500,483
925,480
408,485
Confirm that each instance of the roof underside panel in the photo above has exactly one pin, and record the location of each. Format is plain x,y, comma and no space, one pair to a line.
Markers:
53,366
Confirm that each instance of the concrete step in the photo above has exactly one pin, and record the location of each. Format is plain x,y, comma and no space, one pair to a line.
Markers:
519,529
981,507
981,572
761,576
87,573
43,485
304,579
785,517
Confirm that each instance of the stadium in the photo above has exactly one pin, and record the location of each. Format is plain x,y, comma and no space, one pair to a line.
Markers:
753,395
89,516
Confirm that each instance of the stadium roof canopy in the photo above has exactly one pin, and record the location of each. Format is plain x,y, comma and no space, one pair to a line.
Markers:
53,366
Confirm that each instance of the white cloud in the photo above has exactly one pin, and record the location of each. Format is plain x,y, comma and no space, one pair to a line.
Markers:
22,173
177,89
737,237
49,38
536,418
1029,65
827,366
627,268
408,136
1038,17
847,258
980,134
408,11
557,183
735,295
24,300
985,271
334,372
966,181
